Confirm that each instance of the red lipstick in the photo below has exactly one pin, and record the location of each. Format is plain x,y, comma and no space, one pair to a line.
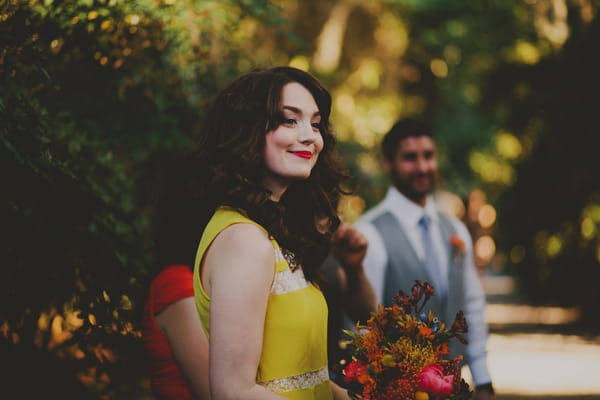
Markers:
302,154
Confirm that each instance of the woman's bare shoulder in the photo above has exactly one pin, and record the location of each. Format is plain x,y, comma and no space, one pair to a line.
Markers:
245,234
242,242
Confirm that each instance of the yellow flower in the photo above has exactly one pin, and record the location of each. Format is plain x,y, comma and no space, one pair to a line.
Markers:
388,360
421,396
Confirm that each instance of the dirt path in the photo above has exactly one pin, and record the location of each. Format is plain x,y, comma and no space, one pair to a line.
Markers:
535,352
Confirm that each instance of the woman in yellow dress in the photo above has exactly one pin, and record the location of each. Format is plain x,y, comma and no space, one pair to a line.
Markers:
272,185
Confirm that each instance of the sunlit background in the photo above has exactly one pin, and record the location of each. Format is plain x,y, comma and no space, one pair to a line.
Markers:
97,94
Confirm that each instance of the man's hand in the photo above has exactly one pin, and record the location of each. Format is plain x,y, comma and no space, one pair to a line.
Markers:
349,247
484,394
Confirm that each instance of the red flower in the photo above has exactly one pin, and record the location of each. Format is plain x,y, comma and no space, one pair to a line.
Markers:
354,370
433,381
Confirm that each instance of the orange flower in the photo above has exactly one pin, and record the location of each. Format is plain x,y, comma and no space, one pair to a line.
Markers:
442,349
375,367
365,379
409,323
426,332
457,243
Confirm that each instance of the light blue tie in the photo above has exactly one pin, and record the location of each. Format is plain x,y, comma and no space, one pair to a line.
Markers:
431,260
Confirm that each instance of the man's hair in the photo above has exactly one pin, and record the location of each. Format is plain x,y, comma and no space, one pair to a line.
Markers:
232,153
404,128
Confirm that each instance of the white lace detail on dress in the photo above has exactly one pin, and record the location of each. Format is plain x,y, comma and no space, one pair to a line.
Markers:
304,381
279,255
287,256
288,281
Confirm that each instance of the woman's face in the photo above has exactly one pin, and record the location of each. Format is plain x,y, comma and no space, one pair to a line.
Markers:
292,149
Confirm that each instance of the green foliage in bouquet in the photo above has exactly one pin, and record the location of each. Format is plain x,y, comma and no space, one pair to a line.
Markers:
399,354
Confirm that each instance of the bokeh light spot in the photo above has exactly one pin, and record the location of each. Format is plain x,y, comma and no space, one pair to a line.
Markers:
507,145
554,245
588,228
485,248
486,216
439,68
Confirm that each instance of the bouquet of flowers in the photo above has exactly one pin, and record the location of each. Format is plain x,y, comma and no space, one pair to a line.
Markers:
398,355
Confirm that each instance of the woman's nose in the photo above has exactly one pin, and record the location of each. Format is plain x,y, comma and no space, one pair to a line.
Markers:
307,133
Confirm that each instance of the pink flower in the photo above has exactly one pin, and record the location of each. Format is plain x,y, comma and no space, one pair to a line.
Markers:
433,381
354,370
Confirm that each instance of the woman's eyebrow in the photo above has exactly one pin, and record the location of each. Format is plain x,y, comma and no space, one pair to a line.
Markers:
299,111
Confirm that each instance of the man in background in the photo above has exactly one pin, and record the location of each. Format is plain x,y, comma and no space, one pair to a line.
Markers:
410,239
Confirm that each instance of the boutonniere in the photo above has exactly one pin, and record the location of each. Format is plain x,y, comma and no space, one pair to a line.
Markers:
458,246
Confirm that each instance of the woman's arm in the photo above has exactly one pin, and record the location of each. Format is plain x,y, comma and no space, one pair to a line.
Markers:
237,274
181,325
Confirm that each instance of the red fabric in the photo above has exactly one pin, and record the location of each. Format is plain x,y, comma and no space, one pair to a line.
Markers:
172,284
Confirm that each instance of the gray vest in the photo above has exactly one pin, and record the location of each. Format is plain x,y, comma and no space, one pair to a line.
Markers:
404,267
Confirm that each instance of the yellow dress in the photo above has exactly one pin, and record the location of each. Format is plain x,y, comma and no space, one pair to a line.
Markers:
293,362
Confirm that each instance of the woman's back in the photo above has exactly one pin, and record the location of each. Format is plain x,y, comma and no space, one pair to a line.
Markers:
173,284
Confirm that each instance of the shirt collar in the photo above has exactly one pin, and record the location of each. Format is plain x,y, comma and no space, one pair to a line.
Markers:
406,210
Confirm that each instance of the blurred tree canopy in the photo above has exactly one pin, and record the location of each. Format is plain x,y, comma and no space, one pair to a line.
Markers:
99,98
92,90
552,211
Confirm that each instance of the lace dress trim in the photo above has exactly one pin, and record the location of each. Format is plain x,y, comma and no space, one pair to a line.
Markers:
288,280
297,382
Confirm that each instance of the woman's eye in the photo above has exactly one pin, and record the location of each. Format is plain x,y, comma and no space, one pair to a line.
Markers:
290,121
316,126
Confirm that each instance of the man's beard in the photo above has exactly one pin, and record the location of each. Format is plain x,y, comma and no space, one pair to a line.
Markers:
409,189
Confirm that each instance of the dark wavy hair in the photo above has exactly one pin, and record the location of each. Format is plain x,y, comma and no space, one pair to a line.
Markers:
402,129
231,151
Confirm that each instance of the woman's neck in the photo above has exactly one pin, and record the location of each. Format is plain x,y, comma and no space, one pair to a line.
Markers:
276,187
276,195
